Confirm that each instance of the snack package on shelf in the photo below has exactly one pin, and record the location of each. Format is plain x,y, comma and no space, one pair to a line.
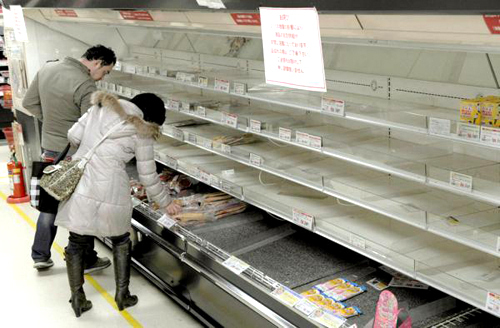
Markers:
345,291
330,305
470,111
490,114
326,286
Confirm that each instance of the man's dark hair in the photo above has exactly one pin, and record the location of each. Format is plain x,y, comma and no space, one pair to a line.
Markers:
100,52
152,107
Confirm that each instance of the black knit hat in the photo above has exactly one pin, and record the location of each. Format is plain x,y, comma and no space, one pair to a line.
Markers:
152,107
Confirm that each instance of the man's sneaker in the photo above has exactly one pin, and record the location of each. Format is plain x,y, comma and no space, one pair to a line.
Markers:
41,265
101,263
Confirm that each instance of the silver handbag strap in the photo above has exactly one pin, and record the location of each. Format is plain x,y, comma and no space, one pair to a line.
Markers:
89,154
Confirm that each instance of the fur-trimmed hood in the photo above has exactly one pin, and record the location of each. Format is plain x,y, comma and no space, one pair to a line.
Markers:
107,100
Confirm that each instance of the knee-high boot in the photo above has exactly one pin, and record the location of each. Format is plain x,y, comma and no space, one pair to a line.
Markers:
74,266
121,257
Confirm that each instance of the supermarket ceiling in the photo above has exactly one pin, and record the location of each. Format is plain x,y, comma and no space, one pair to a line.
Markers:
338,6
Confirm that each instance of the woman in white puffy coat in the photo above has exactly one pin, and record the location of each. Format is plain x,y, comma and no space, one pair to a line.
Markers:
101,205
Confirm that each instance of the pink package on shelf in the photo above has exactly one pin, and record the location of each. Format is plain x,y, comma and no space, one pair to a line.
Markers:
386,315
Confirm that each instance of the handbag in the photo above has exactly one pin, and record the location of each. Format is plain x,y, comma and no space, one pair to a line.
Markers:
39,198
60,180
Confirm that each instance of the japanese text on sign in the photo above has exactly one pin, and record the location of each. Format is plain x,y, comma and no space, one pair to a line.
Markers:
293,55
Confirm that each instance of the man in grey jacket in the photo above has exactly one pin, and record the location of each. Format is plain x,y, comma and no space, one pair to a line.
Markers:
58,96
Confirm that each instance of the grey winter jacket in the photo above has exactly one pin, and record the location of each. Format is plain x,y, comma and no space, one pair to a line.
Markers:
101,204
58,96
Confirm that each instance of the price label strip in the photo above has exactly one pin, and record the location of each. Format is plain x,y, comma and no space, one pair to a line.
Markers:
490,136
204,177
468,131
303,219
255,159
221,85
316,142
285,134
302,138
333,106
439,127
230,119
236,265
286,296
306,307
166,221
255,126
461,181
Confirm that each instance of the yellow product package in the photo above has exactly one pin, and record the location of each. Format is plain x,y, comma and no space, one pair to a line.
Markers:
470,111
490,114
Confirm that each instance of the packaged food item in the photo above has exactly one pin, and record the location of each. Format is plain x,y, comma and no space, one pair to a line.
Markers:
490,114
326,286
310,292
470,111
377,284
348,312
345,291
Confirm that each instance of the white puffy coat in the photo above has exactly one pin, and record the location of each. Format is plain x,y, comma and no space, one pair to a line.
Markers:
101,204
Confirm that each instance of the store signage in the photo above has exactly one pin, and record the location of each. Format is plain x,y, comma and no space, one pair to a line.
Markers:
327,319
461,181
239,88
166,221
285,134
333,106
493,303
303,219
246,18
440,127
493,23
136,15
20,32
65,13
255,126
236,265
293,55
468,131
490,136
255,159
306,307
286,295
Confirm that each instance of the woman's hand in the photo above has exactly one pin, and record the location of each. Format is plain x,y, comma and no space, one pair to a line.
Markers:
173,209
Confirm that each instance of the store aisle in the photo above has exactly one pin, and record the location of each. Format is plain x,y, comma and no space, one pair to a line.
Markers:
40,299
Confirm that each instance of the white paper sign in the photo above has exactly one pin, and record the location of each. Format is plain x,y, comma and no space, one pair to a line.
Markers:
19,25
306,307
118,66
327,319
293,55
129,69
255,126
490,136
230,119
461,181
285,134
255,159
439,126
357,241
221,85
468,131
315,142
240,88
174,104
493,303
235,264
303,219
302,138
166,221
333,106
286,296
201,111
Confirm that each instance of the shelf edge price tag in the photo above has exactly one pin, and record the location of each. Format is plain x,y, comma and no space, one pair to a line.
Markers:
493,302
286,295
236,265
118,66
193,138
153,70
302,138
129,69
333,106
255,159
439,127
315,142
221,85
490,135
201,111
303,219
240,88
461,181
285,134
180,76
173,104
185,106
178,134
231,119
166,221
226,148
203,81
204,177
207,143
305,307
255,126
357,241
468,131
327,319
214,180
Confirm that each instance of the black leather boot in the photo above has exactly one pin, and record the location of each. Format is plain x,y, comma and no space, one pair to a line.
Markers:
74,266
121,259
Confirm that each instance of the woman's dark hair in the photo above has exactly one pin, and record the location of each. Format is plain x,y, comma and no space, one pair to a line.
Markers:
100,52
152,107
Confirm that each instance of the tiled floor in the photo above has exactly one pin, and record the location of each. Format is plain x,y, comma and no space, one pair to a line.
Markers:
40,299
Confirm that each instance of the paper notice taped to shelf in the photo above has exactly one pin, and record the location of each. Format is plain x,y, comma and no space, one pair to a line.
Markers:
493,302
285,134
166,221
357,241
461,181
333,106
315,142
201,111
235,264
440,127
203,81
286,296
468,131
305,307
221,85
230,119
302,138
327,319
255,159
490,136
255,126
240,88
303,219
293,53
